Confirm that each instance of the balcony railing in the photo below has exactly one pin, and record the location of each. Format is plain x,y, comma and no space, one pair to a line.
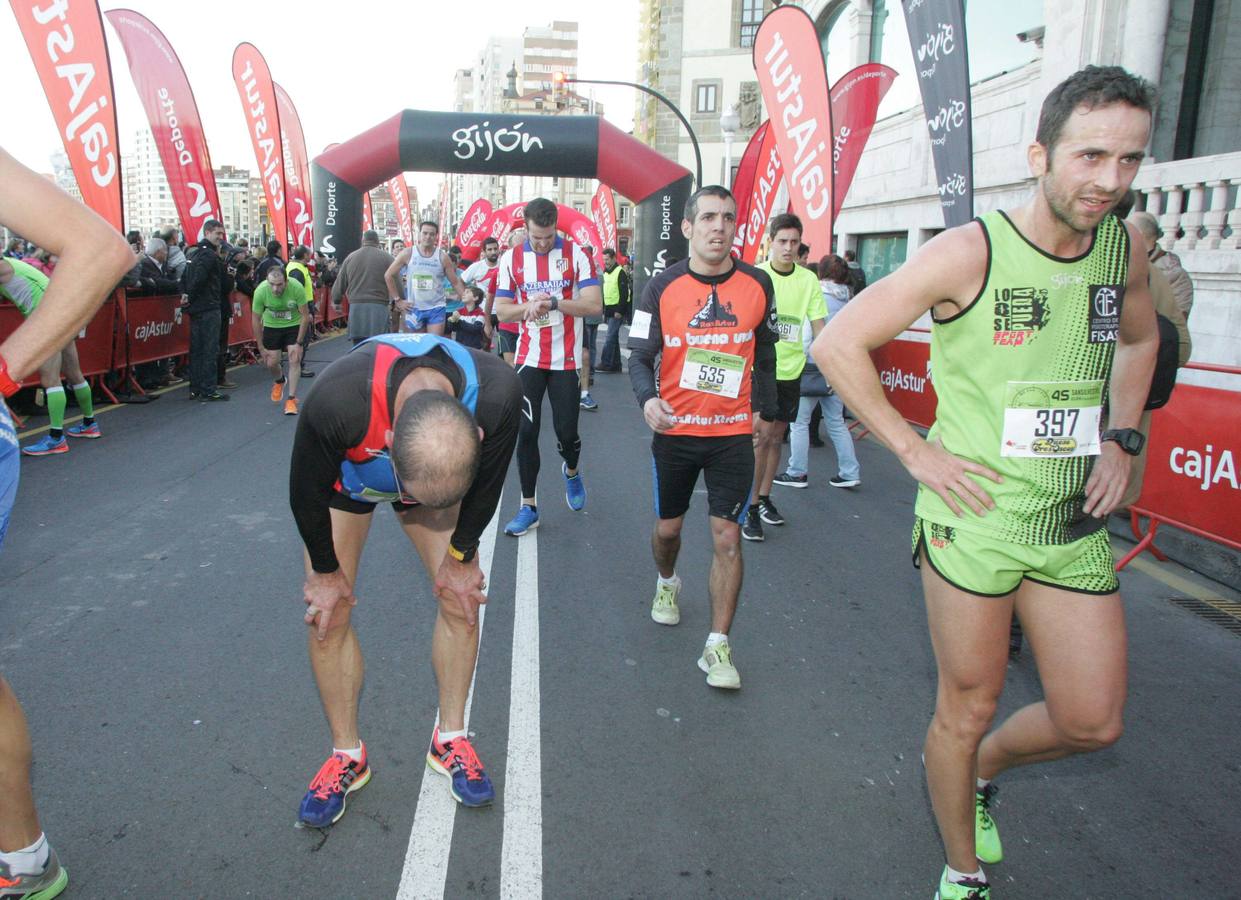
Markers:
1197,201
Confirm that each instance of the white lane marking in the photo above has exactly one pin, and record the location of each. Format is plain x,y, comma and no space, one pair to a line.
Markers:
521,859
430,840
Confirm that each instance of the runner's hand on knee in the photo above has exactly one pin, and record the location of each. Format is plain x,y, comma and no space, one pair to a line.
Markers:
463,583
322,593
949,477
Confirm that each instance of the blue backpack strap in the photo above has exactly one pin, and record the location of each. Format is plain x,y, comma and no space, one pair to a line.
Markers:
416,344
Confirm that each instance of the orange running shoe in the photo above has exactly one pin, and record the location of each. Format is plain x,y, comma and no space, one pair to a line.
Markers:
277,391
290,406
336,779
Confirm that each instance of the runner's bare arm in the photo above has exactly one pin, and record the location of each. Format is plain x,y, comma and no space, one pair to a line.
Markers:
945,275
93,259
1132,368
508,309
392,277
589,302
450,272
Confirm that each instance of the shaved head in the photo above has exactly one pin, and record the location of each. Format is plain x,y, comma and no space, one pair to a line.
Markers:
436,448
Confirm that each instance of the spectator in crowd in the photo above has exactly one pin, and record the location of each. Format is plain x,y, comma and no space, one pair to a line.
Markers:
1167,263
243,278
134,236
153,272
616,305
177,260
857,277
469,325
590,352
298,270
361,279
834,279
397,246
205,284
42,260
273,258
803,256
15,248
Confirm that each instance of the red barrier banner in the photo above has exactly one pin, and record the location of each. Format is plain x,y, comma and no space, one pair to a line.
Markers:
470,235
94,342
156,328
399,191
258,100
855,103
603,210
793,79
70,54
905,372
1192,476
368,218
173,116
299,214
241,329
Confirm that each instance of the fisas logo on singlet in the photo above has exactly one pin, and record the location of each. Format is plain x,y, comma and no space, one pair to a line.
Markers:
1020,313
1105,303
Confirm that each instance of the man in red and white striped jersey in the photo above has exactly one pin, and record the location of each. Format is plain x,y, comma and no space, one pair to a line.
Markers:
546,284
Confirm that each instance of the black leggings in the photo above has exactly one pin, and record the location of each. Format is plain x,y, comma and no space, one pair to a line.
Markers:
562,390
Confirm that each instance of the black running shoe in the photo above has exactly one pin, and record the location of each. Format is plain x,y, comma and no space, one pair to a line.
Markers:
768,513
793,481
752,527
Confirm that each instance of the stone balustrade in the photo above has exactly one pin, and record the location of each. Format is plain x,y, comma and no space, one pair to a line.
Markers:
1196,201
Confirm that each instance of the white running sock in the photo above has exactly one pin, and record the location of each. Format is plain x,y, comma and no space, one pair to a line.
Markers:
446,736
958,877
584,393
673,581
715,638
354,753
982,784
30,860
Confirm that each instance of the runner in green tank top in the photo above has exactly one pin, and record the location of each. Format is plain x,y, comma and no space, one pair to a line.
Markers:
1041,319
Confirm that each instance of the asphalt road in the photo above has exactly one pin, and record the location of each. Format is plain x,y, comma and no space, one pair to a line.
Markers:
151,623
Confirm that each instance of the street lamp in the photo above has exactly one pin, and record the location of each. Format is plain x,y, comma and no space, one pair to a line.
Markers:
564,78
730,121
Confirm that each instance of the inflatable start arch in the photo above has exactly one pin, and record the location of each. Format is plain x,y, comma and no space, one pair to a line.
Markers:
470,143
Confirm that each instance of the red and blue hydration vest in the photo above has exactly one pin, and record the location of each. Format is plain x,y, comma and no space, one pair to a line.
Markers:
367,472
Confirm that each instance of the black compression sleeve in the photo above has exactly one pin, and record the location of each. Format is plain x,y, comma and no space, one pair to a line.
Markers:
642,374
312,480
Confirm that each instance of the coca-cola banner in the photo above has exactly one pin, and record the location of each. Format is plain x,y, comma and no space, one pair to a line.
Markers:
471,234
492,144
173,116
70,54
298,212
368,219
603,210
258,100
398,189
937,36
757,189
855,103
579,227
793,78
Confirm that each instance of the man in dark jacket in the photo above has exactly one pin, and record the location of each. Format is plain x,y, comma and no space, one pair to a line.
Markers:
205,282
152,271
272,258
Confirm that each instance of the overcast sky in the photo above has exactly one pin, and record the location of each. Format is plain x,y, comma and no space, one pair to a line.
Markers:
346,69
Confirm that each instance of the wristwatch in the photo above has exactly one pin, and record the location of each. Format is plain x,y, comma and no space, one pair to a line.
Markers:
8,387
463,556
555,302
1130,439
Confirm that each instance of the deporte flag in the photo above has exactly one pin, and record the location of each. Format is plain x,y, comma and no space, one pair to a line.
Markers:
298,214
70,54
173,116
793,79
258,100
855,103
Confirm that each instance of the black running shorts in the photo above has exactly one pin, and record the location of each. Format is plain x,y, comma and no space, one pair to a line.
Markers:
727,465
280,338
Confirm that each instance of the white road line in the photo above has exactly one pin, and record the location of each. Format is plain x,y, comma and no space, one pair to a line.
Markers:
430,840
521,860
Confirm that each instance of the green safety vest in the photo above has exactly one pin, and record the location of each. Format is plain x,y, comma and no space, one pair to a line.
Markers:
310,285
611,287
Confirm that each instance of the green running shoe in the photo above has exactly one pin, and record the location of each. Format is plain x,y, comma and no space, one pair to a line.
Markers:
49,883
986,837
664,610
717,662
969,889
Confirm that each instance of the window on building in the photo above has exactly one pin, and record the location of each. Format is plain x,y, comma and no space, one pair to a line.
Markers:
579,184
751,18
579,206
1199,107
705,97
881,254
622,215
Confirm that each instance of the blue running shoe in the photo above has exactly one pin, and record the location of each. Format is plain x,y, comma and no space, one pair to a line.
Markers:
46,446
460,764
574,489
588,402
83,430
339,777
527,517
